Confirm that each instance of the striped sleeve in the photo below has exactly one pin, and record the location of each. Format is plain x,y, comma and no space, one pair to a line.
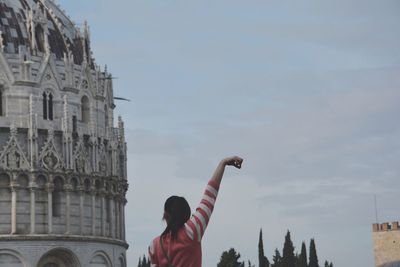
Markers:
197,224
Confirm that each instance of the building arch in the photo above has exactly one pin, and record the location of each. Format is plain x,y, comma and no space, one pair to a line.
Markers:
59,257
74,182
100,259
11,258
58,196
23,195
98,186
41,203
39,37
41,180
121,261
23,180
85,109
48,104
87,185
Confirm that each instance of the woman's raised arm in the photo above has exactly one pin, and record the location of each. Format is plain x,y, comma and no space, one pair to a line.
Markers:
219,171
197,224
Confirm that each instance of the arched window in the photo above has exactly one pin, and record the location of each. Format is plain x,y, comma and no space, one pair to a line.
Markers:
47,106
39,36
57,196
105,116
50,107
85,109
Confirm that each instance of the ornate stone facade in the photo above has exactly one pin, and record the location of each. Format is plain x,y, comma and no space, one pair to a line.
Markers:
63,175
386,239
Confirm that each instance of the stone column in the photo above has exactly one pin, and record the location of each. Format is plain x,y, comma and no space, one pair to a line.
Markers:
122,208
117,220
103,214
81,199
111,222
71,153
14,189
33,187
93,193
50,189
123,219
68,189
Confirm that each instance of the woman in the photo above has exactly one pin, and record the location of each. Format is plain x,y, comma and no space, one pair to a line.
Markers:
180,243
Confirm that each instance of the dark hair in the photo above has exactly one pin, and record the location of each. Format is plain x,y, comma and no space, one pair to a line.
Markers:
178,211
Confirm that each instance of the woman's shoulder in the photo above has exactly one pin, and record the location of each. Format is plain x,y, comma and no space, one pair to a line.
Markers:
153,244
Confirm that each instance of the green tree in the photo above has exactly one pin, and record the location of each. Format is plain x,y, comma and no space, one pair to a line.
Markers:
277,259
249,264
288,258
262,260
313,260
144,262
303,256
230,259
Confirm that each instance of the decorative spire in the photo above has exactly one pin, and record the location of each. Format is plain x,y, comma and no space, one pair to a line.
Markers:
121,130
65,118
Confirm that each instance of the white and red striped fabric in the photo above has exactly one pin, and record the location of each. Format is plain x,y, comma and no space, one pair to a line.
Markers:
185,250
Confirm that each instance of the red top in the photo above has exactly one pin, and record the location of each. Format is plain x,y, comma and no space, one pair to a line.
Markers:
185,250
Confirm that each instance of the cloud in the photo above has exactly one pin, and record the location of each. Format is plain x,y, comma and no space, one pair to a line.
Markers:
307,93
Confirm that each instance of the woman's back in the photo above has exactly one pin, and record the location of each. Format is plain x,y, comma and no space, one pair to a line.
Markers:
182,251
182,247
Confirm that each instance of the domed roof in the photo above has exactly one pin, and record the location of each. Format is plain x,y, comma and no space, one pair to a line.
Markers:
39,25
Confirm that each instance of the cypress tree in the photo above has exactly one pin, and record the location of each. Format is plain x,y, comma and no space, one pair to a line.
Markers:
313,260
144,262
277,259
303,256
262,260
288,258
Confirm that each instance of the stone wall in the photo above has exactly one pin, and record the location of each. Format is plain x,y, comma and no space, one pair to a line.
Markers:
75,253
386,238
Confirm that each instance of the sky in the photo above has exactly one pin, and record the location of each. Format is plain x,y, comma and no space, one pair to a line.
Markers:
307,92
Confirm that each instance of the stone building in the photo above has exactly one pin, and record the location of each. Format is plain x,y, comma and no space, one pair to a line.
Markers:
386,238
63,176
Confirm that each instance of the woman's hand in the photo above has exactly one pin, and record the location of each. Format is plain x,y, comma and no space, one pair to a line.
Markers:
219,171
233,161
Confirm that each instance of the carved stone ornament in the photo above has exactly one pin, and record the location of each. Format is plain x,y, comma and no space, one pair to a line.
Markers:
102,86
13,157
48,76
85,84
103,166
81,157
50,158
